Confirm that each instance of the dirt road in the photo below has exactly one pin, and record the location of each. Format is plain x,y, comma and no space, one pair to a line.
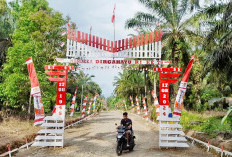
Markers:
96,137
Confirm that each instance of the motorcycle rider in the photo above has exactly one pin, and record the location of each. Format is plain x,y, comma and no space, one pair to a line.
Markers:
127,123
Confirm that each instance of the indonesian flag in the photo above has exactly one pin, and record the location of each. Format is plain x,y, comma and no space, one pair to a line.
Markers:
73,103
84,106
182,89
35,92
132,103
137,105
113,16
89,108
94,102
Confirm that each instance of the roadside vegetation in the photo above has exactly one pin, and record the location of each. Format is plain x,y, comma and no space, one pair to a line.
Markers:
188,27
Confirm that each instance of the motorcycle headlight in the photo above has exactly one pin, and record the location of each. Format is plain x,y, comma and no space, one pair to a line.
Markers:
119,135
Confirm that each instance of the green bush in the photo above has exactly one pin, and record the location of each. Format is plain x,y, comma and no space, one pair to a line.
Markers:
211,125
209,94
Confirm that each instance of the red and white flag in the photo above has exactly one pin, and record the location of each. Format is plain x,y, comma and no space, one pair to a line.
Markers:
182,89
35,92
84,107
113,16
73,103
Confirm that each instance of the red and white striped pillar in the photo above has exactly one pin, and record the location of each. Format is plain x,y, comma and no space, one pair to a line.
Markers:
73,103
156,104
157,107
84,106
145,109
90,104
137,105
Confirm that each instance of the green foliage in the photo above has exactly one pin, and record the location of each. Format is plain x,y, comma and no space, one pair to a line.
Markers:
37,34
82,80
210,125
3,7
209,94
176,18
226,117
114,102
153,114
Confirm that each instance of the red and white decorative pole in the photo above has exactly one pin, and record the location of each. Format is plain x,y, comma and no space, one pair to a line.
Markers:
84,106
145,109
156,104
90,103
137,105
73,103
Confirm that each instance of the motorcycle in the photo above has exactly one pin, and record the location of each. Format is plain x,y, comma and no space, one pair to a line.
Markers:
122,140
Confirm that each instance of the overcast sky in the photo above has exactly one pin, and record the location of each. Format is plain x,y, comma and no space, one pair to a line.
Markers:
98,13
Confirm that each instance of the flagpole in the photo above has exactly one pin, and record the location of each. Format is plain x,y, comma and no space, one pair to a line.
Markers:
114,33
114,27
113,21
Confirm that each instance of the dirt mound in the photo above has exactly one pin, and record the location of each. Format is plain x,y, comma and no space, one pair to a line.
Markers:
222,139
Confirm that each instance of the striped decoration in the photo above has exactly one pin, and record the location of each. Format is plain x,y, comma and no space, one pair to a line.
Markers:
145,109
137,105
84,107
73,103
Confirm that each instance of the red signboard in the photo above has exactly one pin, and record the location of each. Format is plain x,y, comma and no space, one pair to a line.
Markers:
166,77
59,74
61,93
164,93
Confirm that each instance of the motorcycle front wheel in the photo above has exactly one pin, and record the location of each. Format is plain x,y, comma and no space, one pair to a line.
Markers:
119,149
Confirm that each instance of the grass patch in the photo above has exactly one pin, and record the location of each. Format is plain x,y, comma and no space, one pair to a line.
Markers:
200,122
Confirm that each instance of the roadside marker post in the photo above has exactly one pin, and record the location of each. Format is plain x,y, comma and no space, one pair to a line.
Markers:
9,150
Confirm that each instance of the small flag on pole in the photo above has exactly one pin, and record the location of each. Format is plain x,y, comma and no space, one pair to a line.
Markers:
62,44
113,16
63,33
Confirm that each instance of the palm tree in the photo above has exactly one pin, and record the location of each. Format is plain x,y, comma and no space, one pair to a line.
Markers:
177,21
218,43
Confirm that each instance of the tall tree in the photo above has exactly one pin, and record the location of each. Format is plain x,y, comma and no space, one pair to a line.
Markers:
176,20
218,43
37,34
6,27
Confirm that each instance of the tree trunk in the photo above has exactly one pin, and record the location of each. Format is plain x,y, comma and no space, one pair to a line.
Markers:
175,55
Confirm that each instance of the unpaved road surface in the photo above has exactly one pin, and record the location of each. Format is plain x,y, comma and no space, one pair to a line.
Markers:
96,137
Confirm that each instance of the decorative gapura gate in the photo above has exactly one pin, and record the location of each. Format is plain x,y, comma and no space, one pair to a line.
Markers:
86,48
